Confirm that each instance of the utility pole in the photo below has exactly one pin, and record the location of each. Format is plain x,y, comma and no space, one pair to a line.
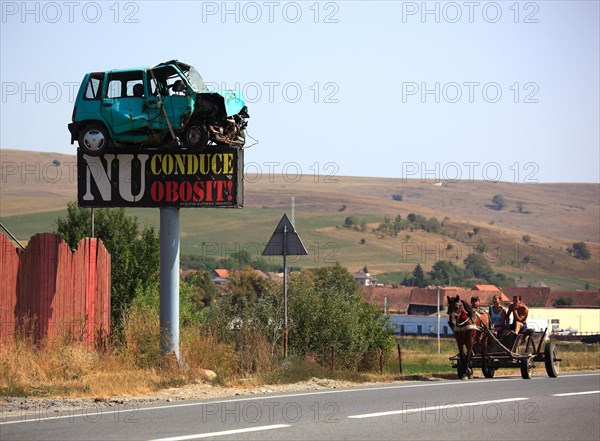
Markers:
438,321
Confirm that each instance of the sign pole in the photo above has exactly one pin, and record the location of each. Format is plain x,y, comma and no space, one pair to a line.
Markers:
285,242
169,281
285,314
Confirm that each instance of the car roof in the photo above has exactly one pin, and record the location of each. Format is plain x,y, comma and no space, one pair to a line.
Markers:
182,66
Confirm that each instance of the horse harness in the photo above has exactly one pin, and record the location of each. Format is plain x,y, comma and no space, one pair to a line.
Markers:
464,326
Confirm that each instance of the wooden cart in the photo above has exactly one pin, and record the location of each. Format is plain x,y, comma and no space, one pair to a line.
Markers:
514,351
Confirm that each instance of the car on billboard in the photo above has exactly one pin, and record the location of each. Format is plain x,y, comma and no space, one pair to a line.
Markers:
166,104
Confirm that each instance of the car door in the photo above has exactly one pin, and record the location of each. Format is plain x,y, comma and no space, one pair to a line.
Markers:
168,86
124,106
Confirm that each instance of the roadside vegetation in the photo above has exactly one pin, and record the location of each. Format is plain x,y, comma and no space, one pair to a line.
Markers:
231,336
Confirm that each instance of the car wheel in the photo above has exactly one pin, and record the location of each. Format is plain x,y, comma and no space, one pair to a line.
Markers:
196,135
93,139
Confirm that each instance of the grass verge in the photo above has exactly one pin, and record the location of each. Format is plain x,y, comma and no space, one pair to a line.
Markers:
71,370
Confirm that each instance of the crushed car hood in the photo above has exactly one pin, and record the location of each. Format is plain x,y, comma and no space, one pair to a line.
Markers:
234,103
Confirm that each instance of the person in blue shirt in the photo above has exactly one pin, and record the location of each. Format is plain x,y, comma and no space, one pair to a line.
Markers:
498,315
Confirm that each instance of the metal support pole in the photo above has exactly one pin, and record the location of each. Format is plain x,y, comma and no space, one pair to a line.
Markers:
169,281
92,222
285,314
438,322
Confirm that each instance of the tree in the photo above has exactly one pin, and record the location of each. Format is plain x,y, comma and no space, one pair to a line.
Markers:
329,276
520,206
476,265
205,291
322,315
419,276
246,287
499,202
526,238
444,272
134,253
481,246
581,251
350,221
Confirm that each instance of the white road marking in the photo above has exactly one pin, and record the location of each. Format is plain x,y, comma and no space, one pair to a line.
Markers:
78,413
224,432
437,407
577,393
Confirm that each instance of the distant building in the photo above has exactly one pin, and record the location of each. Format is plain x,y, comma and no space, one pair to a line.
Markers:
420,325
584,320
364,279
394,300
424,301
575,299
486,294
220,276
530,284
531,296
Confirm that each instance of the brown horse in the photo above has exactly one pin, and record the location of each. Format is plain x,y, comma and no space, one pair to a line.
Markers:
469,328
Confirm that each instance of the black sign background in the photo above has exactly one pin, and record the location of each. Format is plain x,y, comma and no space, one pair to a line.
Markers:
164,177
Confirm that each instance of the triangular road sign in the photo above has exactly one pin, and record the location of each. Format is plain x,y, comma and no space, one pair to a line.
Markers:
294,245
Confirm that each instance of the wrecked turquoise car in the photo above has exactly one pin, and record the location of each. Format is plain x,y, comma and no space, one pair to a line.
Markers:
166,104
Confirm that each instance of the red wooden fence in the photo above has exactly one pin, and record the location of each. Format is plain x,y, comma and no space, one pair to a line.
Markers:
63,293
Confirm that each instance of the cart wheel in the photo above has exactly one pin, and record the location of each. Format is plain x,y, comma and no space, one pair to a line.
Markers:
550,359
460,369
526,368
488,372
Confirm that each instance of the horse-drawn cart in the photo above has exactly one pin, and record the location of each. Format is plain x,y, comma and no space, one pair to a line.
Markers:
512,351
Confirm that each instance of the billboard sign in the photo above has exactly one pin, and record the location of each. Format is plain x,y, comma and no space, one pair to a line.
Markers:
164,177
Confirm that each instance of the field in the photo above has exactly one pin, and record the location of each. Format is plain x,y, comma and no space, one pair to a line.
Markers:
35,191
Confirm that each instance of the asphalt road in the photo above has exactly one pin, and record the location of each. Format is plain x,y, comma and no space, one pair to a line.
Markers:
505,407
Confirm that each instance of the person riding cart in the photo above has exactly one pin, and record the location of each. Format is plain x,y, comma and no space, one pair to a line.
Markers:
519,312
498,316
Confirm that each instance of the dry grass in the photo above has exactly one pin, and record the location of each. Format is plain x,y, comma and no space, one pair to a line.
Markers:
135,368
65,367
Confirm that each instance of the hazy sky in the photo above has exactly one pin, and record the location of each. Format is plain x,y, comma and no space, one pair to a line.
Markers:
474,90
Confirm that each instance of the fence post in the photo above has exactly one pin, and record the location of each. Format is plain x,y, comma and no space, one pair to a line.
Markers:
332,358
380,360
399,358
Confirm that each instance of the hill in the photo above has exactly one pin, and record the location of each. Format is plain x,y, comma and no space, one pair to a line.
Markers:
35,189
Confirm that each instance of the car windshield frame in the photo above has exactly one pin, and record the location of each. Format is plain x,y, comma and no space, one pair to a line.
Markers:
195,79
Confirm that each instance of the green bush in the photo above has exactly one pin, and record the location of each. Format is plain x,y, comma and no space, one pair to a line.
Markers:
326,311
